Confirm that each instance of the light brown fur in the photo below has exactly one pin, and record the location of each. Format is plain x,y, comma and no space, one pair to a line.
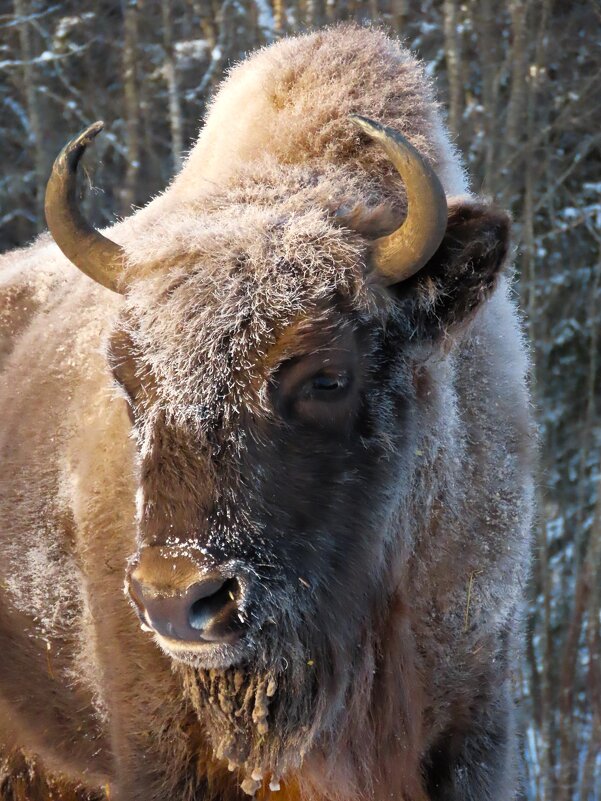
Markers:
279,176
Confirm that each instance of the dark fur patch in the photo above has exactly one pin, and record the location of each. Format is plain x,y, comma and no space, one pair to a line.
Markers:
443,296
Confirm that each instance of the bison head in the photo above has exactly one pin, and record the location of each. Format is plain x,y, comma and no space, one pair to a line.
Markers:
281,363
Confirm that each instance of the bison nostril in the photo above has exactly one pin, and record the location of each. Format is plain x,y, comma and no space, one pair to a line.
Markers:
215,602
208,610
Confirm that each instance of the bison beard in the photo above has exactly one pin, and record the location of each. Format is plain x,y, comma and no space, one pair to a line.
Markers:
264,723
261,721
265,716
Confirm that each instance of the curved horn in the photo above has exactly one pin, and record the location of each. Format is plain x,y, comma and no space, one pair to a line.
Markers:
94,254
401,254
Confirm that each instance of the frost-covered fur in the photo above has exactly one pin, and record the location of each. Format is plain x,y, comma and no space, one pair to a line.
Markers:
385,555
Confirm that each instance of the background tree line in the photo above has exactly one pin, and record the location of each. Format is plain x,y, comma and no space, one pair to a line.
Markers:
520,79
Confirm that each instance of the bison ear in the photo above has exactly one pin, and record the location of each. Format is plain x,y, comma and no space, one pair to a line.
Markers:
444,295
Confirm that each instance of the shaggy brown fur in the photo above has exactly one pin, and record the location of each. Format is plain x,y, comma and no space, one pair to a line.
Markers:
382,543
22,779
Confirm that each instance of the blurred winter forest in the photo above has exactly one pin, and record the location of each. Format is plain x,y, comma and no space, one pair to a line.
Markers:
520,80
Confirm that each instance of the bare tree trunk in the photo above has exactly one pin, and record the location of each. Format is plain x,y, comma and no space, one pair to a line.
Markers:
207,21
594,641
400,12
528,283
278,15
528,277
586,595
489,52
587,782
170,71
519,89
453,58
316,13
547,662
22,10
130,88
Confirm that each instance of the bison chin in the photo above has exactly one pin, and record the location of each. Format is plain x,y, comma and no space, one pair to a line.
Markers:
263,716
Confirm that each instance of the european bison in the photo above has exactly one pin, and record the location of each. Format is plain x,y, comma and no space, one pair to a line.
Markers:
290,413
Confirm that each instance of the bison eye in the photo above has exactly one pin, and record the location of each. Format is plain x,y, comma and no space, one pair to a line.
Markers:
321,388
326,399
327,386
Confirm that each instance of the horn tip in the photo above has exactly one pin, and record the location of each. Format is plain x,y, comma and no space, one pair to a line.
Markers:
379,132
372,128
94,129
74,150
85,137
366,124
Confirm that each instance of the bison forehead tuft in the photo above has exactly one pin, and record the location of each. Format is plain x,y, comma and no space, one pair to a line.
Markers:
214,291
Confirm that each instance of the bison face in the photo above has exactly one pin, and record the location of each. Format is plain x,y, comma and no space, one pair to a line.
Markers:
264,536
277,394
265,531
